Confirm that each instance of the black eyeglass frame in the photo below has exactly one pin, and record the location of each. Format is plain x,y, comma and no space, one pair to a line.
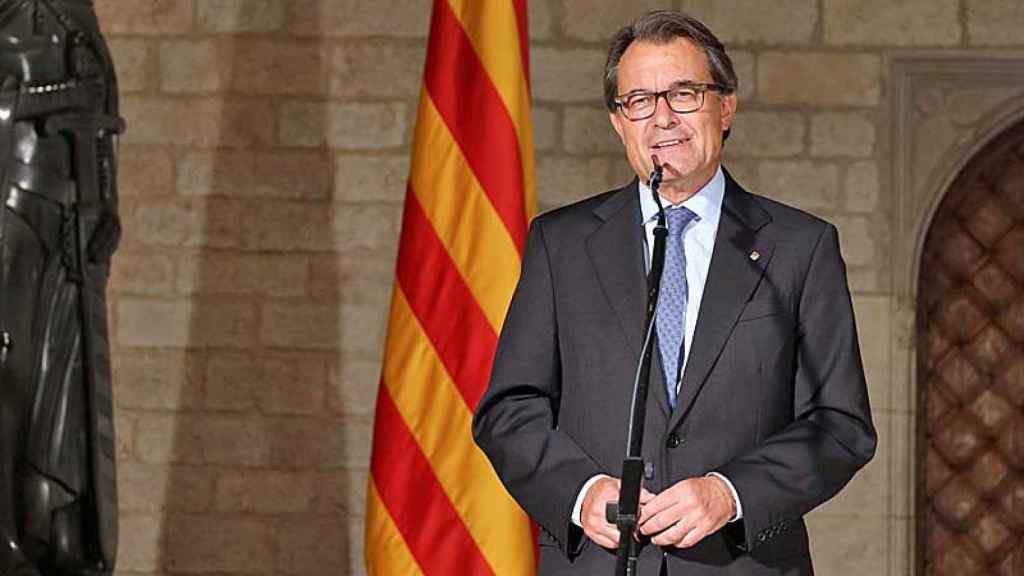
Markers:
700,89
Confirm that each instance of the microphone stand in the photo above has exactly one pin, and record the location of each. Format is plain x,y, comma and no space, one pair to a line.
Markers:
625,513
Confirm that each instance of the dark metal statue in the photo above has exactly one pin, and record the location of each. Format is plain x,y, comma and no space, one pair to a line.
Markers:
58,230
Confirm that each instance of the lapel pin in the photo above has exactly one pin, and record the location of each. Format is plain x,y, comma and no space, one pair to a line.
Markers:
755,256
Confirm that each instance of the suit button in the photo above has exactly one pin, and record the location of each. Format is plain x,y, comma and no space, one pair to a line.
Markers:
673,441
649,470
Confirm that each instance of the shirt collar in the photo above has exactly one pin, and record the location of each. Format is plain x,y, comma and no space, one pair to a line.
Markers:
706,203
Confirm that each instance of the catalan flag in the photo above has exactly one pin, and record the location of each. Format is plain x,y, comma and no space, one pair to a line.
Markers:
434,504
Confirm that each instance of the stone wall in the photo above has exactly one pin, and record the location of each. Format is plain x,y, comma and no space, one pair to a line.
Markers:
262,176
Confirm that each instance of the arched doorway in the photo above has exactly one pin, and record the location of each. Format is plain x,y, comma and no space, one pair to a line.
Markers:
970,479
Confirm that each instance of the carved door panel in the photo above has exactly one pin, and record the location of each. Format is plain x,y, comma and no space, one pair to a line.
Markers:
970,506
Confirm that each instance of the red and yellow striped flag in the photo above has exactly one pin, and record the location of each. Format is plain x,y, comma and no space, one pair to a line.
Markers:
434,504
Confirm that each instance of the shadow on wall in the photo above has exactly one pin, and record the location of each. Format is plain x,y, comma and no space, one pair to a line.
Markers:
248,469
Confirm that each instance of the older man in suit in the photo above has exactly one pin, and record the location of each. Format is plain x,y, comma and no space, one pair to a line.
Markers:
758,409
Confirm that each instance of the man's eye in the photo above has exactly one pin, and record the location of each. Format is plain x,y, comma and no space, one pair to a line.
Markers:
684,95
639,101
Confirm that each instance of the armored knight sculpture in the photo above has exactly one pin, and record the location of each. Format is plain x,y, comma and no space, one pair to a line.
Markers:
58,230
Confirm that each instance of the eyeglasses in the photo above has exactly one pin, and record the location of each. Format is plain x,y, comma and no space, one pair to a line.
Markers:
681,99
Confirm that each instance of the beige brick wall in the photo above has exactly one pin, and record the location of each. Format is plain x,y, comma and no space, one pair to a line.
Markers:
262,177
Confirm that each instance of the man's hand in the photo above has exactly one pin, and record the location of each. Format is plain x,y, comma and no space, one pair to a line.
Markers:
592,514
687,512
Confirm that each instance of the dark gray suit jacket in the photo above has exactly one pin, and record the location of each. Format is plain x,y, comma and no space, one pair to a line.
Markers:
773,395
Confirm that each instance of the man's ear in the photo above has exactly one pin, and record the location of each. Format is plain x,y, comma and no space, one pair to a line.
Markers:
617,124
728,103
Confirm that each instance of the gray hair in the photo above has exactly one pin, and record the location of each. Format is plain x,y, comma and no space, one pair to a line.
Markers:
662,27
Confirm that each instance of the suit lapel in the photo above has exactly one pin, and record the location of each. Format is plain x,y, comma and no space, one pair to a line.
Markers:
732,277
616,251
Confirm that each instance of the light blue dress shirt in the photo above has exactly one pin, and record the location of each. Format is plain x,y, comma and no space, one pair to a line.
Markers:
698,241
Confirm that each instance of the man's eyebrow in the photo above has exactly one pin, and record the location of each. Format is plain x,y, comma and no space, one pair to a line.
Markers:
676,84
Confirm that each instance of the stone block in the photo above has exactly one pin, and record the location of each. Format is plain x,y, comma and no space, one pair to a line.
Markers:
540,19
581,21
568,75
301,326
265,492
240,15
347,126
165,223
902,458
354,18
235,441
316,444
376,69
218,543
819,79
994,22
139,543
561,180
358,280
290,227
153,323
158,380
202,122
842,134
162,17
874,328
744,171
862,240
352,389
586,130
362,328
190,224
165,438
365,178
293,386
242,174
767,134
145,171
313,545
150,488
124,439
861,187
192,66
232,381
342,493
545,128
864,280
357,540
142,273
278,67
812,186
185,323
366,227
226,322
132,61
849,544
743,63
278,275
782,22
884,23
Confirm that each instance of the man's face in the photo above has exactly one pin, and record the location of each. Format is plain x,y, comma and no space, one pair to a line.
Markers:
689,146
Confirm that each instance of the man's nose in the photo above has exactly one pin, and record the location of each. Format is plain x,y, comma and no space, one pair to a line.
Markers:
664,116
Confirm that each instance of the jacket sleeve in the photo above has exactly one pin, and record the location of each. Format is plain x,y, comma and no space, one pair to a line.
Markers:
832,435
516,422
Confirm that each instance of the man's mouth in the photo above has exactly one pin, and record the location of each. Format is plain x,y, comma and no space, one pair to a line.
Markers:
667,144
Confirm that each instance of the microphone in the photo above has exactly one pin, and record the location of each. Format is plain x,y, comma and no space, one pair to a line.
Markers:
655,184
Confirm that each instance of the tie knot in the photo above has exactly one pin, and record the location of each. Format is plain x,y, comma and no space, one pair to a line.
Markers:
677,219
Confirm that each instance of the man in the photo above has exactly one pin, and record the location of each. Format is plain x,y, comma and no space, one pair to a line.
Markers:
758,409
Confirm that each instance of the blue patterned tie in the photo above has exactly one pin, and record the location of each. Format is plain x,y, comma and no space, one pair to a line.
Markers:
671,320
